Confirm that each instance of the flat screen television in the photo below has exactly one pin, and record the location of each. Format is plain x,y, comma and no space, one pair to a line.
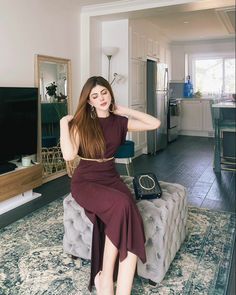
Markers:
18,122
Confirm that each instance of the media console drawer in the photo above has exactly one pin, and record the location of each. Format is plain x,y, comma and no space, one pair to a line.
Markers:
19,181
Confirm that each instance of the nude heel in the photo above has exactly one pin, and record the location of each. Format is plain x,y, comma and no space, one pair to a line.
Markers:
97,283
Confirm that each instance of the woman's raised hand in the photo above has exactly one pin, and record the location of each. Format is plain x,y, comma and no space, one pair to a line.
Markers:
66,119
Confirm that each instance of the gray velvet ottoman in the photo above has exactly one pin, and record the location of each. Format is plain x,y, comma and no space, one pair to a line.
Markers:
164,225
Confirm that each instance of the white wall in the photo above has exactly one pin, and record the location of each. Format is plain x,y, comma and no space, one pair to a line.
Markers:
29,27
116,33
96,47
211,47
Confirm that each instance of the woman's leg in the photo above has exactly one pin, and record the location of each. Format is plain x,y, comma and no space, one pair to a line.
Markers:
105,278
126,274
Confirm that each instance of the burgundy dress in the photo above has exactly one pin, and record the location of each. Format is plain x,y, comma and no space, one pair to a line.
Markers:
108,203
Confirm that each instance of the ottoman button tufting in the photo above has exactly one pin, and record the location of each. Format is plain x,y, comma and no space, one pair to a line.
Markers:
158,256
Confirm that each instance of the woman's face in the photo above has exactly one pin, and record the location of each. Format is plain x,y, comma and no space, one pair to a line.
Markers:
100,98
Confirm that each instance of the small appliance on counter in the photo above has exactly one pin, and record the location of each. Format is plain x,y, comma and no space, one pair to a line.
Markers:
188,88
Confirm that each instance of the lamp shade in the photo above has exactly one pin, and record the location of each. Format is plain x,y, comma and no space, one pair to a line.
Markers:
110,51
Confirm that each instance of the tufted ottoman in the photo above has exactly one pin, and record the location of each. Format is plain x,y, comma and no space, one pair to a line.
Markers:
164,225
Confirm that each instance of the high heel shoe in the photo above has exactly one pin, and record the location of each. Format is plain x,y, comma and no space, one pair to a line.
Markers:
97,282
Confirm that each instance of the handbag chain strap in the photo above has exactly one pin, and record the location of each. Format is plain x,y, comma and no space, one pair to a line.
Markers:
147,188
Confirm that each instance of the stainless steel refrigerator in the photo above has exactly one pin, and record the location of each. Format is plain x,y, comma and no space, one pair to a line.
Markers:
157,104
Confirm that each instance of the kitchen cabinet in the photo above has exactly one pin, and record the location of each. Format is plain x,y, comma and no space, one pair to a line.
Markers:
141,47
138,82
139,138
162,53
153,48
168,60
158,50
138,46
196,118
191,117
206,116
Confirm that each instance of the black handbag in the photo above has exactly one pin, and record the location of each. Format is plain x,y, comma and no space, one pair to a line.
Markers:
146,186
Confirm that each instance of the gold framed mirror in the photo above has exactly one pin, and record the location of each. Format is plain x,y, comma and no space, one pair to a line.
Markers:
53,78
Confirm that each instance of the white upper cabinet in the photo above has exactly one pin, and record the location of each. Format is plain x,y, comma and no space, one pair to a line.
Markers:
156,49
149,47
162,53
141,47
153,48
134,44
138,46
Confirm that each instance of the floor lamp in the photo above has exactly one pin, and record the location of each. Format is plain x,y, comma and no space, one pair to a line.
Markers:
109,52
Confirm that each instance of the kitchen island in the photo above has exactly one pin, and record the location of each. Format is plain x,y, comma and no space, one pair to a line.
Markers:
224,116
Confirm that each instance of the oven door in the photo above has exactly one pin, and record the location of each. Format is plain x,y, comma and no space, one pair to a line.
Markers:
173,114
173,121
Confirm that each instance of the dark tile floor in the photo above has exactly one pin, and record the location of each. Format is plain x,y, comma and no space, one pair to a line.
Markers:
187,161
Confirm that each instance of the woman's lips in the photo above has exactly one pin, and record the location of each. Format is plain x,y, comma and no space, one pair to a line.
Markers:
103,104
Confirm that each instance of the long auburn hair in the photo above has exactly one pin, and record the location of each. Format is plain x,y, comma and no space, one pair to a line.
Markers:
91,139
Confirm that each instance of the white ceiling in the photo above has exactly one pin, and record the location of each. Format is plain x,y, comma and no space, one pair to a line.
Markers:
214,23
194,21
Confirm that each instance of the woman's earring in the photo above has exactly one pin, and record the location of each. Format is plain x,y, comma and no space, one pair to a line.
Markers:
93,113
112,107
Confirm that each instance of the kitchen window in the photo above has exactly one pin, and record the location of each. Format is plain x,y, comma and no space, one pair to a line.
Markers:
214,77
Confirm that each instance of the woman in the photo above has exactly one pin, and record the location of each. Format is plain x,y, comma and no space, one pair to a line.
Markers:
95,132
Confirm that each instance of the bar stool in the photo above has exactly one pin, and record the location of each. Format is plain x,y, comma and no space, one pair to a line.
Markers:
124,155
222,123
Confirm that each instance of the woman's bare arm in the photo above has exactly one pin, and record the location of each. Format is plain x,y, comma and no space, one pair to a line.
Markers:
69,142
138,121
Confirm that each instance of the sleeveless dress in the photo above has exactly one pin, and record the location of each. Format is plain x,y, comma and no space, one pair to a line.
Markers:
107,201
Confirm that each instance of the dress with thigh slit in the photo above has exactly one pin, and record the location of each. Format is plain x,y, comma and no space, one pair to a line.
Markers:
107,201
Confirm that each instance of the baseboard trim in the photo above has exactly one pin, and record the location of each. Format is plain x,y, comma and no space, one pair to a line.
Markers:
197,133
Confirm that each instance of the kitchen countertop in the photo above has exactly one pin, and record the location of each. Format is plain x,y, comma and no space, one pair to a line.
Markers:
194,99
224,104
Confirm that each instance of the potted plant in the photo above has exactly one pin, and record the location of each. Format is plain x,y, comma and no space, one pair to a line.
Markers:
52,89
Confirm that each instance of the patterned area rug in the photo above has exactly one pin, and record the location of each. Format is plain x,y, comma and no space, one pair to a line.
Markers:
32,261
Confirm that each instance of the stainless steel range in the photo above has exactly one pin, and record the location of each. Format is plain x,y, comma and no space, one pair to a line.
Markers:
173,119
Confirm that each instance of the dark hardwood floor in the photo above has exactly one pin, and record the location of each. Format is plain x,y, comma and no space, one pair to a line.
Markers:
187,161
